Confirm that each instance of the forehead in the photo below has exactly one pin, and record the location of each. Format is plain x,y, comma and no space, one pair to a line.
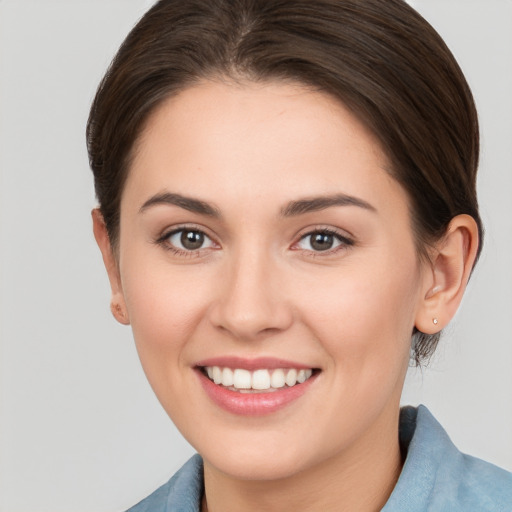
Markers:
257,140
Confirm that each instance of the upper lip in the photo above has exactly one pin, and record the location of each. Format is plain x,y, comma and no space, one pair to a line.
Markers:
270,363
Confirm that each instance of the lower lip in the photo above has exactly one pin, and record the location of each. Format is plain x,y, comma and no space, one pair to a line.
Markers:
253,404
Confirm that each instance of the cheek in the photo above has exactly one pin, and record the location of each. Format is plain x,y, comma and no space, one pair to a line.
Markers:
363,320
166,305
364,314
166,308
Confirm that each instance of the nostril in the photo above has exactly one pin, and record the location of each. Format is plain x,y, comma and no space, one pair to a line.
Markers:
257,323
249,303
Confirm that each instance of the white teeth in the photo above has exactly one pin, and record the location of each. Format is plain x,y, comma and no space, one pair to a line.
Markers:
291,377
242,379
263,379
217,375
227,377
277,379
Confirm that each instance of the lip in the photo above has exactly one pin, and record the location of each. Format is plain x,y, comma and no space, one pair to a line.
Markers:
252,404
269,363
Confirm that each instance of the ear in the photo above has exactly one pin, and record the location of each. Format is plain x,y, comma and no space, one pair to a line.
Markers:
452,261
117,305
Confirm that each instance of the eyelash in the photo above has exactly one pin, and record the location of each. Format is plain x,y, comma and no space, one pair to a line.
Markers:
344,242
190,253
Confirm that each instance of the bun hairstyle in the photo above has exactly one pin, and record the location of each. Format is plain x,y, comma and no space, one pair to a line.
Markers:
380,58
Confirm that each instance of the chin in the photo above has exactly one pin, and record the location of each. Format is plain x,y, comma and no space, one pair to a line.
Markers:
264,467
258,459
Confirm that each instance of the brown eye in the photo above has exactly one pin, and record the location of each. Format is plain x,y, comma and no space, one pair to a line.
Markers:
192,240
321,241
189,240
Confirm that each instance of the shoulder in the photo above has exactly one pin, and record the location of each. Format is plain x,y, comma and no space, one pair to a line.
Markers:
437,477
182,493
485,485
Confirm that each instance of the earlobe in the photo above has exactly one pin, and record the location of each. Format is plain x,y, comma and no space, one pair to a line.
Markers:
117,305
119,313
451,263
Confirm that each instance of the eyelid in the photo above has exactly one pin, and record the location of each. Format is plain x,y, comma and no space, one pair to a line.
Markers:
163,239
205,239
346,240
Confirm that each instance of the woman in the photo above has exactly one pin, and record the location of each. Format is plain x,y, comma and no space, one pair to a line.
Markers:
287,215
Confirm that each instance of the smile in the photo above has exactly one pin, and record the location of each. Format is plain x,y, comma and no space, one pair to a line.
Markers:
267,380
254,387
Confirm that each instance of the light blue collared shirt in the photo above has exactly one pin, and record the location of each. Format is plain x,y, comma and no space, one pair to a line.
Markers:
436,477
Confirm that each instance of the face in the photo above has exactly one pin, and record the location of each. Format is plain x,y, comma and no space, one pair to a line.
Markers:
263,242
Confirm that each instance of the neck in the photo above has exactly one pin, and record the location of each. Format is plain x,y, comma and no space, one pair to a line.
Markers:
360,478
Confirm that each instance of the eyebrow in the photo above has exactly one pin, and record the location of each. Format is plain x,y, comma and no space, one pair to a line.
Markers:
315,204
187,203
293,208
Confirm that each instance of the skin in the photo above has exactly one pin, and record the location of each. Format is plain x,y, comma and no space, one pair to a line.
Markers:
257,288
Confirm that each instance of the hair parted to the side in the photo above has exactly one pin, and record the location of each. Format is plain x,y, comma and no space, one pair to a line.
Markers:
380,58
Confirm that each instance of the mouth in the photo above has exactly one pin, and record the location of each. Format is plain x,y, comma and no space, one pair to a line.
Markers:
254,387
262,380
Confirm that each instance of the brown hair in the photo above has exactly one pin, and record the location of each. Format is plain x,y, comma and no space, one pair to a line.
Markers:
379,57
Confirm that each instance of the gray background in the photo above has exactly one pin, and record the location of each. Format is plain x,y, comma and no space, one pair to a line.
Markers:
80,429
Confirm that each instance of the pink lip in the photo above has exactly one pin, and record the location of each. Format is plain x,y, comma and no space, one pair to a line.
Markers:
252,404
270,363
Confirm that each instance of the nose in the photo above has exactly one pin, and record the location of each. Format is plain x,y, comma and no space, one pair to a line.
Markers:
251,300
